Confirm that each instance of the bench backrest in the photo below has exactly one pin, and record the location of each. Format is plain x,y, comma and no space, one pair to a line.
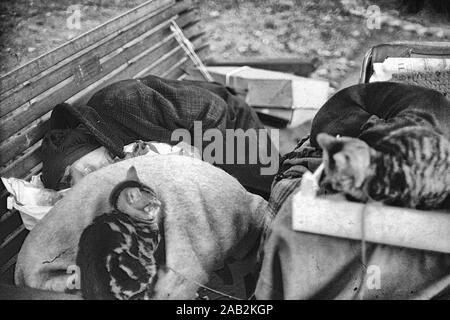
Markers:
134,44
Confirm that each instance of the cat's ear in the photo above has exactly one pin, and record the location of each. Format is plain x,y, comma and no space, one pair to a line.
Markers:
133,195
326,141
372,122
132,174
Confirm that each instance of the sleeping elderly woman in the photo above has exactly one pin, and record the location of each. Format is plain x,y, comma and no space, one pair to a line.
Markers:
85,138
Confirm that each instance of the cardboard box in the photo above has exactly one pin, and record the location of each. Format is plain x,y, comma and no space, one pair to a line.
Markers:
288,97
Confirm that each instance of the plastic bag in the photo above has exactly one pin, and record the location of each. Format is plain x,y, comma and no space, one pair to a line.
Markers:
31,199
34,201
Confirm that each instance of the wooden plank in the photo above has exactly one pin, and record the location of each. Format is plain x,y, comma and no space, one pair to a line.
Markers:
7,271
134,67
65,68
145,71
12,244
416,229
43,62
21,166
21,117
299,66
178,69
169,73
18,143
8,222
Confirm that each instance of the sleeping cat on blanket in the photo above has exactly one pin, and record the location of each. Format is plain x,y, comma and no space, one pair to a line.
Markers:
116,252
408,164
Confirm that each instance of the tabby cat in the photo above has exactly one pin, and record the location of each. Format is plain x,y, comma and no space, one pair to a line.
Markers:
116,253
408,166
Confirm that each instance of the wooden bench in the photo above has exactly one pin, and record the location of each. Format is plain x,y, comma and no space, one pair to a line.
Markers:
134,44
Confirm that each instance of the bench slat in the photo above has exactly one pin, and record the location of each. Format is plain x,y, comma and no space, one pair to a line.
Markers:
63,70
8,222
12,244
21,166
42,63
138,64
29,136
7,271
21,117
177,70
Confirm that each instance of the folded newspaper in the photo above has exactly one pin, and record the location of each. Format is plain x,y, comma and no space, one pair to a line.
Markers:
34,201
384,71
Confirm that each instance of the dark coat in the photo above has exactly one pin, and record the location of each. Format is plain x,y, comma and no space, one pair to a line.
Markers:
348,110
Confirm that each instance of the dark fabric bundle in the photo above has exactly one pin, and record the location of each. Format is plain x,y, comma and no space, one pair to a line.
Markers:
61,148
348,110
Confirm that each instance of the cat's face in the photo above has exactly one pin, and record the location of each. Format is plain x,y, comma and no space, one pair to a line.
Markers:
347,163
139,203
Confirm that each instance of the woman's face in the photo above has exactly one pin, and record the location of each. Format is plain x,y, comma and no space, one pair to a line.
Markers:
90,162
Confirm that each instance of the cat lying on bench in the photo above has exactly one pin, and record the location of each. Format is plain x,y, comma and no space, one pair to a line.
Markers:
204,224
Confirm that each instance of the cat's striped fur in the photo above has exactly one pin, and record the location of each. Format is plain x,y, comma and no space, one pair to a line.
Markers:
116,253
116,258
408,167
412,168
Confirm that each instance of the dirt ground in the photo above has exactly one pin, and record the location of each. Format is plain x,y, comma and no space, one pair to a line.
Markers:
321,31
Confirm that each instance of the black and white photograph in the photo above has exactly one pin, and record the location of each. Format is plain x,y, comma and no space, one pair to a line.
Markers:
228,155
